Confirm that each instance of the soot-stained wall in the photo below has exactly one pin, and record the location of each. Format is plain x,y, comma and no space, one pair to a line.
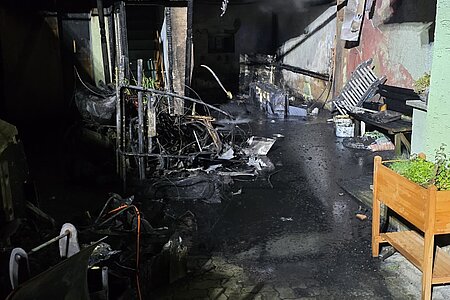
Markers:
257,27
218,41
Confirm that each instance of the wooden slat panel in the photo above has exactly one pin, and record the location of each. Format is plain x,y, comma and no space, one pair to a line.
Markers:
348,96
356,89
403,196
366,79
442,212
370,73
351,96
441,271
410,245
362,83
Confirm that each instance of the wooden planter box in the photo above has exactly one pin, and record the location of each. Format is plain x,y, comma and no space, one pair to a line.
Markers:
427,209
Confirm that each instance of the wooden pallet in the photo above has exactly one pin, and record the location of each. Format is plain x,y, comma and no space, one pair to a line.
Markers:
363,84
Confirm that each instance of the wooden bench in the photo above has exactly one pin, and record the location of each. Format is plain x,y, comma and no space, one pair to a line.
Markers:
398,129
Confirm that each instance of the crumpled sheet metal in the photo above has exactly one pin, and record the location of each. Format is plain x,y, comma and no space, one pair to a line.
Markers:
67,280
8,133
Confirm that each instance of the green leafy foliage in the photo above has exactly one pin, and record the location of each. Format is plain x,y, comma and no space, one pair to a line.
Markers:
442,181
421,84
417,170
424,172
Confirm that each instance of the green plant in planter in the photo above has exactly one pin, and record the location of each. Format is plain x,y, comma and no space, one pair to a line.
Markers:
417,170
422,84
424,172
442,180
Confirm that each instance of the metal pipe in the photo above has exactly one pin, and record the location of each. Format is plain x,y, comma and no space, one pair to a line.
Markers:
188,62
163,93
55,239
140,120
101,22
105,282
112,40
164,155
120,121
305,72
169,48
150,122
124,36
286,106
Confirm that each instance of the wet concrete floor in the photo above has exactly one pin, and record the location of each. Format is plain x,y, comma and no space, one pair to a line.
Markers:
292,234
299,239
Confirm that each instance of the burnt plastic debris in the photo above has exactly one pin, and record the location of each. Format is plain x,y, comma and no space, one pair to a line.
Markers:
96,103
101,252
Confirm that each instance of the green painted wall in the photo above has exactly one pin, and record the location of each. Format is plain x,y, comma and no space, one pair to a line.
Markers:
419,135
97,56
438,116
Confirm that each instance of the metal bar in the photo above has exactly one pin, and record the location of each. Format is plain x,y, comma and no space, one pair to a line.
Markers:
49,242
165,3
302,71
112,41
105,282
118,118
163,93
151,123
187,68
286,106
169,68
101,22
140,120
122,125
118,38
164,155
124,36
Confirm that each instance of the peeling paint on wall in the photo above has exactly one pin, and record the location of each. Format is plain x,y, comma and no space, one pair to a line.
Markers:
400,47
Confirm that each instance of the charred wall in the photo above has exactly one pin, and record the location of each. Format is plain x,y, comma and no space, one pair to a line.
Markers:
246,28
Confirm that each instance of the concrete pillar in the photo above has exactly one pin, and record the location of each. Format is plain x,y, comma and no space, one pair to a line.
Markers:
438,115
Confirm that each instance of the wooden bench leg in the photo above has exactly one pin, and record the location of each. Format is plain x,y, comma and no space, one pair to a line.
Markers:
399,139
376,205
357,128
405,142
398,144
427,267
376,227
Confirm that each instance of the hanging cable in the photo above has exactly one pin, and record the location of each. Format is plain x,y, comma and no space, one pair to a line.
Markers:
229,94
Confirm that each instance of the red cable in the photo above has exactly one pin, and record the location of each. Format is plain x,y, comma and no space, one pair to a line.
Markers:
138,285
138,237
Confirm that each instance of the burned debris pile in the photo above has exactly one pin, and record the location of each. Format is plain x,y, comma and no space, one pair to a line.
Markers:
179,157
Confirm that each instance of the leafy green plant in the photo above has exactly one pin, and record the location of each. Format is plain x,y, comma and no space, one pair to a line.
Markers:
442,180
421,84
426,173
417,170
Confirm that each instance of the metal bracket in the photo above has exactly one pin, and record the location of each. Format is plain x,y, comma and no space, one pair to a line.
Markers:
17,255
68,245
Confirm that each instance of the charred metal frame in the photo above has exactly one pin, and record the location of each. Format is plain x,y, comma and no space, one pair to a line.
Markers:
105,56
189,38
142,154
